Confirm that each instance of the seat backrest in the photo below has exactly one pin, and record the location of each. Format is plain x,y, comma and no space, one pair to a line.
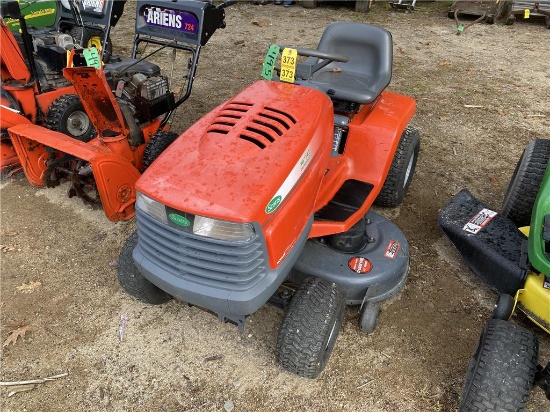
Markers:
369,69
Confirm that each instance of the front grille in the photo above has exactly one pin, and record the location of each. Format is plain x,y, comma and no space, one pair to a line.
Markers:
202,260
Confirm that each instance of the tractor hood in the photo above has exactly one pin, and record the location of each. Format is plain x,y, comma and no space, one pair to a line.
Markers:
246,158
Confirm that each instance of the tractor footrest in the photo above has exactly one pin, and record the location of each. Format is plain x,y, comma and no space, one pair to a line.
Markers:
491,244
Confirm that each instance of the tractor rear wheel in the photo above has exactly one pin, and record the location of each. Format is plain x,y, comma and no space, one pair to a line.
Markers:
93,38
363,6
156,145
401,171
67,115
310,327
525,182
309,4
132,281
502,369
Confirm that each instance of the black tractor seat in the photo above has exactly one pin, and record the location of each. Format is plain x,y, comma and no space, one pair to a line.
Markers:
368,71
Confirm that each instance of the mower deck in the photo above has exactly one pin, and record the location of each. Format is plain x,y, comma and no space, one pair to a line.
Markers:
374,274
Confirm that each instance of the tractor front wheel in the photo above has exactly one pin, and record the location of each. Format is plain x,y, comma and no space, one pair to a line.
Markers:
310,327
156,145
525,183
132,281
502,369
401,171
67,115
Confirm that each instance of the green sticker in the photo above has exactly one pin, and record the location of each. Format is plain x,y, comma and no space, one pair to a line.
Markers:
269,62
461,28
179,219
92,57
273,204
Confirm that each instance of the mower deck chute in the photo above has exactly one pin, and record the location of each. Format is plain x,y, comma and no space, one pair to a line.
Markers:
491,244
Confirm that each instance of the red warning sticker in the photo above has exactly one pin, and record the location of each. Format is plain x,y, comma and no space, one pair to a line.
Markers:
392,249
360,265
479,221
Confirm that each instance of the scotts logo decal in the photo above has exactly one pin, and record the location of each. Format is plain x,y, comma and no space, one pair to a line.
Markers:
360,265
171,19
291,180
274,204
179,219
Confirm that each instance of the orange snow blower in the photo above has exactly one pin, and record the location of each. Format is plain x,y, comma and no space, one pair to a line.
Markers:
128,103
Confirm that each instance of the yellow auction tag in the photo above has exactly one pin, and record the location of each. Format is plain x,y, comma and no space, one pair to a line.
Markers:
526,13
289,58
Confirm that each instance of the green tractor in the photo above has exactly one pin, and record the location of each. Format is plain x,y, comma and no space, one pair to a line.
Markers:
87,22
510,251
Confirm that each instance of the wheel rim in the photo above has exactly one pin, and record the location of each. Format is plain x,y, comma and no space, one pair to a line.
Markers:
331,335
78,123
409,170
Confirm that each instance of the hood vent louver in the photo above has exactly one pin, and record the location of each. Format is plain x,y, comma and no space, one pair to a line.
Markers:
262,129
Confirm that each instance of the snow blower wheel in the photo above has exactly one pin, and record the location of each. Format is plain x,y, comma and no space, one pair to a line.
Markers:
67,115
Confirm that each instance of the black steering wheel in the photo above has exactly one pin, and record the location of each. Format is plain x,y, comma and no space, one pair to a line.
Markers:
320,54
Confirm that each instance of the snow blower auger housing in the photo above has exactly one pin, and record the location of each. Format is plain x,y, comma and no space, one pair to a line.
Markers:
267,198
128,102
510,251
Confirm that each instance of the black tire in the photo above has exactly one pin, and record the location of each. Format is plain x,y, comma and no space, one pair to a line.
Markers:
401,171
67,115
368,316
363,6
92,38
309,4
504,307
156,145
310,327
525,182
502,369
132,281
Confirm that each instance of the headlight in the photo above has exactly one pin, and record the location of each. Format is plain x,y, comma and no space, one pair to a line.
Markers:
202,226
222,229
153,208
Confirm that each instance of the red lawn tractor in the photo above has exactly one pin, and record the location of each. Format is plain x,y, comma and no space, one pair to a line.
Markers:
268,198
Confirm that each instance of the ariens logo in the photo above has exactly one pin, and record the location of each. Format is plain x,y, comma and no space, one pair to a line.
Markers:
179,219
273,204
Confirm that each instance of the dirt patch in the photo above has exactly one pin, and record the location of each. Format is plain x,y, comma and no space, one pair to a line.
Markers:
481,97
